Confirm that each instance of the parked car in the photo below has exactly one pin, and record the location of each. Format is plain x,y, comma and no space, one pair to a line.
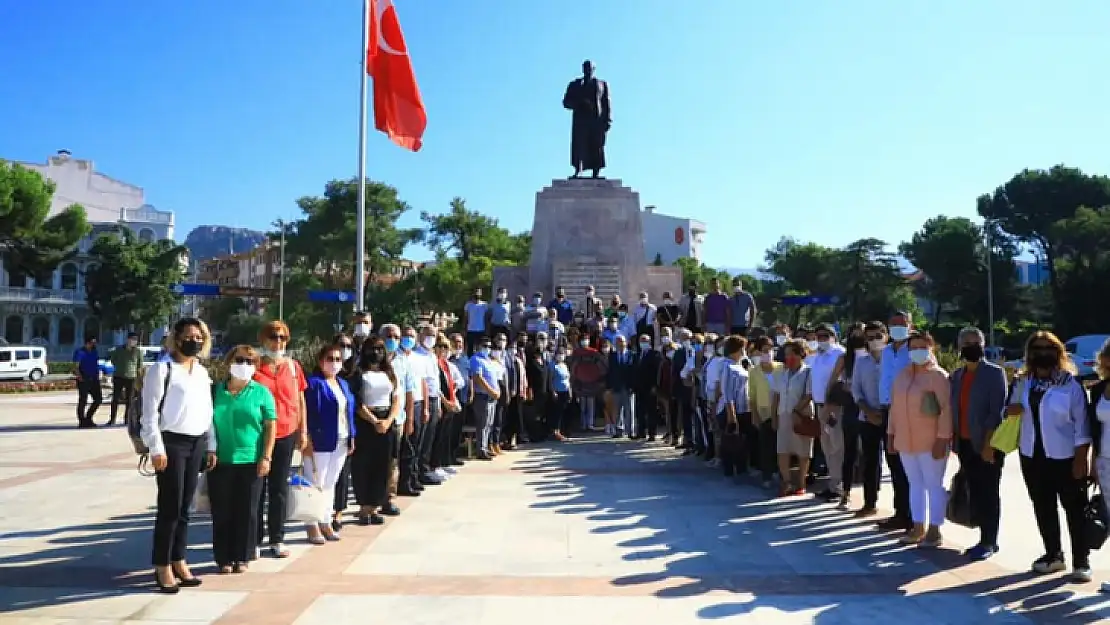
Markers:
23,362
150,356
1083,351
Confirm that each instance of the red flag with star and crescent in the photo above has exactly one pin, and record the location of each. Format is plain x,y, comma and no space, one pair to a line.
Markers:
398,107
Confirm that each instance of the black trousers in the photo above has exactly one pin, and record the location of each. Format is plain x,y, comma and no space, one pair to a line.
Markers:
372,463
984,478
472,339
177,484
428,436
753,444
733,451
872,439
441,446
850,424
457,424
686,414
408,457
513,421
274,491
768,450
88,389
123,389
233,490
647,414
1049,481
343,487
557,414
898,479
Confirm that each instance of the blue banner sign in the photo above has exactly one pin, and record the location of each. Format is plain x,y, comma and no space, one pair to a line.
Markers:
341,297
810,300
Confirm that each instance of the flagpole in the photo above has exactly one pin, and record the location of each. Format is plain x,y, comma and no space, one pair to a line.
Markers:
360,233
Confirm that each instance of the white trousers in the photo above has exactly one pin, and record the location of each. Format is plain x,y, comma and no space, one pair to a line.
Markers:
928,497
832,444
323,469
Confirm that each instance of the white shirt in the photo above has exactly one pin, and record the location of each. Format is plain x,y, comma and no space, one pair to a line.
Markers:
1063,413
430,370
790,387
713,376
644,313
187,409
1102,411
378,390
822,364
458,378
342,431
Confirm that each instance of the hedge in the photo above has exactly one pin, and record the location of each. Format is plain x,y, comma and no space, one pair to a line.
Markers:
7,388
62,367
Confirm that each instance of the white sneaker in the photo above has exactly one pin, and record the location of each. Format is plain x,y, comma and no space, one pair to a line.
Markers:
441,474
449,470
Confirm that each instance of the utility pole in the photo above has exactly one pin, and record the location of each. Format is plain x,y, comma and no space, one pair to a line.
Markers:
987,225
281,273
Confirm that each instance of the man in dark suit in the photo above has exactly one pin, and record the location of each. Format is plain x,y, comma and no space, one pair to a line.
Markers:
620,380
646,378
683,392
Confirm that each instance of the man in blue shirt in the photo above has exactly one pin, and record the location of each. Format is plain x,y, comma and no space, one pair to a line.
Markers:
500,311
88,382
895,358
484,377
564,308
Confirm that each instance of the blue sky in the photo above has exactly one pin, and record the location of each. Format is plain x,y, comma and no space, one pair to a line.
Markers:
826,121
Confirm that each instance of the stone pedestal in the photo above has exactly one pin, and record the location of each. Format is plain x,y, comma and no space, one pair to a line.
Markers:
588,232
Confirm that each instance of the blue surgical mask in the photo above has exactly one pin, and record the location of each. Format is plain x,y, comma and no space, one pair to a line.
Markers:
919,356
391,345
484,352
407,343
622,314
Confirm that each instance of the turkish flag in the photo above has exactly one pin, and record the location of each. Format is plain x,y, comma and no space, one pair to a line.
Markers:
398,107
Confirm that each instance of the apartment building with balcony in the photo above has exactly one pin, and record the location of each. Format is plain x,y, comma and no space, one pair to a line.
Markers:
53,313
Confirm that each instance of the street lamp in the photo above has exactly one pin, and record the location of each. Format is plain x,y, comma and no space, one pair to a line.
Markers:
987,225
281,223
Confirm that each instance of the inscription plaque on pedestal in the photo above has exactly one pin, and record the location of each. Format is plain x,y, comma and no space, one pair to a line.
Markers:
576,274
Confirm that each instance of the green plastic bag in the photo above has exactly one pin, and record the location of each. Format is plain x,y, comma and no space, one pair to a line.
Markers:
1006,436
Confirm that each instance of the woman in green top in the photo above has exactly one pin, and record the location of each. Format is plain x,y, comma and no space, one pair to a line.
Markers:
243,422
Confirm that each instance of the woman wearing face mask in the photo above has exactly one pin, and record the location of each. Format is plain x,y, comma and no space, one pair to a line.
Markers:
176,426
1054,445
588,368
760,382
839,400
664,382
920,432
343,486
790,402
379,401
286,382
331,430
243,425
560,384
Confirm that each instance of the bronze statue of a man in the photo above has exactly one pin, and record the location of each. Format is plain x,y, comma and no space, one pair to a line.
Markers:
588,98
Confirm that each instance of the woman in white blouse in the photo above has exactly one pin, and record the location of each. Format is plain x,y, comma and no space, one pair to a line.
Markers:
176,426
380,401
1098,418
1054,446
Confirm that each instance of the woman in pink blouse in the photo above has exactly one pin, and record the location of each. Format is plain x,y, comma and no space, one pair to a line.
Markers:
920,432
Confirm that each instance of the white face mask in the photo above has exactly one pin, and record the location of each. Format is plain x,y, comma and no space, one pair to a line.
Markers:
362,329
428,342
241,371
666,340
668,302
645,346
331,368
347,352
919,356
899,333
757,359
812,345
738,289
823,346
604,350
273,353
710,350
780,340
585,343
876,345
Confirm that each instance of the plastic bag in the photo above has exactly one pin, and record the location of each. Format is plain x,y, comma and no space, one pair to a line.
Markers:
201,502
306,502
1007,435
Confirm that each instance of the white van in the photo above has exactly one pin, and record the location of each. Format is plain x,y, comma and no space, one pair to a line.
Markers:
22,362
1083,351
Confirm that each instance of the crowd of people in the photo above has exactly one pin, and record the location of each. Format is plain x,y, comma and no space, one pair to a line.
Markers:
390,411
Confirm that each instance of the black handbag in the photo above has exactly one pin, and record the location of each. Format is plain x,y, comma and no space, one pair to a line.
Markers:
959,509
1095,525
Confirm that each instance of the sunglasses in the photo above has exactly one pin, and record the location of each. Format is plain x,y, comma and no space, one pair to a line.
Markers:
334,359
346,345
243,360
279,337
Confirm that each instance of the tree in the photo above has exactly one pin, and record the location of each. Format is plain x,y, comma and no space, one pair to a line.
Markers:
34,243
693,271
1082,245
131,287
874,284
219,312
324,239
1033,201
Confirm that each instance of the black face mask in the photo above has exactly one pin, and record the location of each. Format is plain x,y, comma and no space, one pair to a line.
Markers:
190,348
372,358
1042,360
972,353
693,291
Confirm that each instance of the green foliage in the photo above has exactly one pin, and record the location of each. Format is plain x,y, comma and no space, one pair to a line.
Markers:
243,329
62,367
131,286
219,312
33,243
693,271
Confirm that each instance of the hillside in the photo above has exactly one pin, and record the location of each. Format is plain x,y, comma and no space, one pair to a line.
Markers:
206,242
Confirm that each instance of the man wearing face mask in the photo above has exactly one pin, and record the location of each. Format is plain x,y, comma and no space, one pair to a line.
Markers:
643,319
683,391
517,321
620,381
895,358
978,400
715,308
475,314
127,363
626,326
781,334
484,380
612,330
742,311
513,423
823,363
500,312
645,383
411,384
464,391
667,315
430,472
423,368
564,308
691,310
593,303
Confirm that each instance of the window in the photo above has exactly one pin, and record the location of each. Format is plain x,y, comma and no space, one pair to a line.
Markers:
69,276
92,328
146,235
13,329
40,328
5,356
23,354
17,278
36,354
67,331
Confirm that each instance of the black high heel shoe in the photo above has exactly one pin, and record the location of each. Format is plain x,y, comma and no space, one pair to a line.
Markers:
164,589
192,582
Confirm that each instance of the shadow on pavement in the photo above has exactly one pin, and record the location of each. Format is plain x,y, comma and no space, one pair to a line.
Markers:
704,533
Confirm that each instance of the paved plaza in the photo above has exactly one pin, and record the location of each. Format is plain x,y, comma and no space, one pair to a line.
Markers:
589,532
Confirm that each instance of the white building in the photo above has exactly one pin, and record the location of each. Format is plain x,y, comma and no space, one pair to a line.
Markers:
671,238
54,313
